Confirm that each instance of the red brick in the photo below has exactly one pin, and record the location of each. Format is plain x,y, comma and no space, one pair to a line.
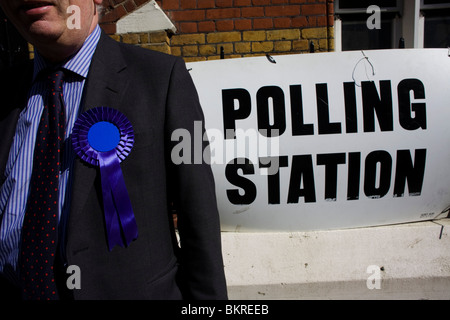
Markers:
330,7
299,22
117,2
205,4
243,24
264,23
109,28
189,15
252,12
330,21
223,13
260,2
224,3
242,3
322,21
130,6
282,22
313,9
224,25
281,11
170,4
114,15
206,26
105,3
188,27
188,4
140,2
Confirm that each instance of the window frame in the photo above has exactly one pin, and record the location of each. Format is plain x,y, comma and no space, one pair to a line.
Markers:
424,6
339,10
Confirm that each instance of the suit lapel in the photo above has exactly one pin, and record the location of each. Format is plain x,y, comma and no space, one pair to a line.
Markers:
104,86
105,82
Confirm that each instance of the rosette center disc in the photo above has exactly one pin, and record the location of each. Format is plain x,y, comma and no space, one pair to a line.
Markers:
103,136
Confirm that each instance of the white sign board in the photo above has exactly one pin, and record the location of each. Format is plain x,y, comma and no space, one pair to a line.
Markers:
328,140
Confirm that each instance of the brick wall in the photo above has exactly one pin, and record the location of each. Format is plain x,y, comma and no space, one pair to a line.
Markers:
158,41
208,29
241,28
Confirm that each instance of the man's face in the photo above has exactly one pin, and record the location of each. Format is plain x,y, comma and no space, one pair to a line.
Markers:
44,23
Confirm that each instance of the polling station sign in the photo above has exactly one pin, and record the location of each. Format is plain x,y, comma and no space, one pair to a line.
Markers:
328,140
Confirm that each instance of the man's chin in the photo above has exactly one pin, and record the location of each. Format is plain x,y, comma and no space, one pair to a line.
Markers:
43,31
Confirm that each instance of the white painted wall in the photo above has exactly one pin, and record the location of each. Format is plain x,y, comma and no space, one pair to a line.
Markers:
333,264
148,18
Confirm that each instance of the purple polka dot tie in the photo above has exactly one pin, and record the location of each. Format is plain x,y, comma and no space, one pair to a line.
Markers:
40,225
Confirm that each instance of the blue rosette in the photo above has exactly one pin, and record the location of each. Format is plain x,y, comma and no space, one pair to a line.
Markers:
103,137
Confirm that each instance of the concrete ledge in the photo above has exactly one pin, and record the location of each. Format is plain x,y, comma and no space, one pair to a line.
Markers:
413,262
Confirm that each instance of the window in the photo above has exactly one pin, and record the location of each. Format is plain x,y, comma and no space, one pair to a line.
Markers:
436,15
356,35
351,28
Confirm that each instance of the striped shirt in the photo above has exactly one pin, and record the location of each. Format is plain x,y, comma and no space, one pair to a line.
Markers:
14,192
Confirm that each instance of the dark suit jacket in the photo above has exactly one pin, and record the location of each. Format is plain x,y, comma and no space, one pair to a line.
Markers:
157,95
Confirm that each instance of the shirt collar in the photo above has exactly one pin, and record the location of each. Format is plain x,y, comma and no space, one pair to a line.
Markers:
78,63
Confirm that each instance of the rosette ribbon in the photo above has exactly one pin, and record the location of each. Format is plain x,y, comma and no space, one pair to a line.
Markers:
103,137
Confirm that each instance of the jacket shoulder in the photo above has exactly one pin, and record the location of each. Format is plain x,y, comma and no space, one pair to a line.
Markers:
134,54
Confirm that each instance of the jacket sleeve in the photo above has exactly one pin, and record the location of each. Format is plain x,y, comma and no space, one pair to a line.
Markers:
192,190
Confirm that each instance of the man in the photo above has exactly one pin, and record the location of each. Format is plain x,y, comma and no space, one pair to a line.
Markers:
156,94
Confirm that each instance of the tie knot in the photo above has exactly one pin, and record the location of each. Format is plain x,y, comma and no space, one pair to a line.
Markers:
56,78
